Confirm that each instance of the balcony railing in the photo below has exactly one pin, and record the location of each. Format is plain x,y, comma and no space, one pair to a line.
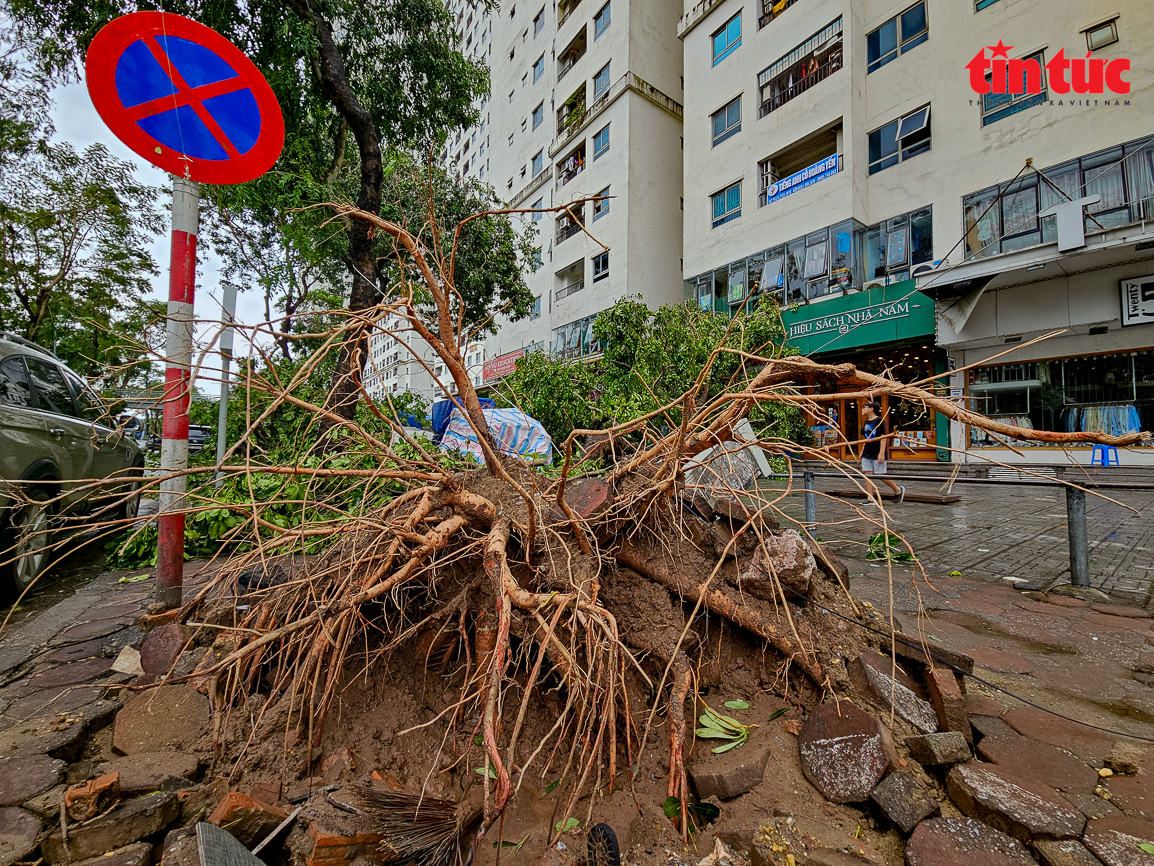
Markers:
566,232
567,12
571,167
771,9
799,78
571,289
570,63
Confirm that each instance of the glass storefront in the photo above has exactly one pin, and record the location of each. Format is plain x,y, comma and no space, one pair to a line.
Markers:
1113,393
575,340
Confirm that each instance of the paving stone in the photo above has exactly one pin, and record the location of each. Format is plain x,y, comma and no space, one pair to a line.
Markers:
161,719
1024,810
871,675
247,819
905,800
196,805
842,752
1118,622
980,705
1087,594
1087,744
129,823
89,649
1122,610
947,747
70,674
180,848
1006,663
18,833
162,646
46,806
963,842
948,702
1065,601
727,775
154,771
88,630
1041,761
991,726
51,702
88,799
1091,805
138,854
60,737
1133,795
127,610
1115,841
22,777
1064,852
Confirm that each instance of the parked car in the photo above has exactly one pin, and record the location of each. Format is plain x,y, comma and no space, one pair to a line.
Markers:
198,436
56,438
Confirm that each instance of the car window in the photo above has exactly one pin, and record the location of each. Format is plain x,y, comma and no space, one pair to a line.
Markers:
15,389
91,407
52,394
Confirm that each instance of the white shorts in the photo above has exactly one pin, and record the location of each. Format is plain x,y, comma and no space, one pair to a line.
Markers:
877,467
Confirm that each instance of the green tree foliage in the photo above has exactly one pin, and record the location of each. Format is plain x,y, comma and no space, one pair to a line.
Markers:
651,358
75,228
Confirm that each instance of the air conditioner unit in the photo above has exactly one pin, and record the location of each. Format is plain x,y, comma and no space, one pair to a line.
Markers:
876,284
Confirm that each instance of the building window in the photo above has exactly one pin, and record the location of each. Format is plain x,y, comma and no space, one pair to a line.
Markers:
903,139
538,68
510,139
538,115
537,205
727,121
1005,218
727,39
884,44
894,247
539,23
601,142
601,81
535,310
810,63
538,162
600,267
511,92
601,21
1013,97
726,205
1102,35
979,5
575,340
601,207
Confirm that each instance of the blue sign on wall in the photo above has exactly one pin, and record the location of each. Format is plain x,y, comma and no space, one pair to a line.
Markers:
827,167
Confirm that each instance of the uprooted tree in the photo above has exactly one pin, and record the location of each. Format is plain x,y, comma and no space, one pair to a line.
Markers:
501,574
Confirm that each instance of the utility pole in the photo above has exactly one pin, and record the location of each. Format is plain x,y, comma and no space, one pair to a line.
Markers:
226,337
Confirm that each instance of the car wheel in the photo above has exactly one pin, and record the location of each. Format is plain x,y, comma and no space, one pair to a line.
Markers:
130,507
31,538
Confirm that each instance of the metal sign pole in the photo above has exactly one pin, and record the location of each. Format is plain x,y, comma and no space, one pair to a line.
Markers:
177,382
226,337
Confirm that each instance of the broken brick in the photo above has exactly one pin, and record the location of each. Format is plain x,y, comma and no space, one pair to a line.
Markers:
948,702
329,849
89,799
247,819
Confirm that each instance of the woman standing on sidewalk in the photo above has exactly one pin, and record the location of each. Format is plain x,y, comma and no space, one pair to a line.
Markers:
873,453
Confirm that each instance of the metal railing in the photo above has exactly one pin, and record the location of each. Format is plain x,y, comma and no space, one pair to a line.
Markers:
570,64
805,79
568,12
571,289
566,232
772,10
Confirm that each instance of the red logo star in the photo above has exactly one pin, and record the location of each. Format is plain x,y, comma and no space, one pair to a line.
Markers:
1000,50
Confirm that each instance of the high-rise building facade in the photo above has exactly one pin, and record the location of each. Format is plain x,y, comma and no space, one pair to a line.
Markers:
840,156
585,104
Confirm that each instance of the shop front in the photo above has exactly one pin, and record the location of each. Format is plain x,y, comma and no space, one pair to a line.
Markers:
887,331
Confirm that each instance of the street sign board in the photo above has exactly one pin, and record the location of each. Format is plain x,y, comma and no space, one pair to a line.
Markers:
184,98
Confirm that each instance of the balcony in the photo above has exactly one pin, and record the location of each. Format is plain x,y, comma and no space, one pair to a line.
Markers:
770,9
571,289
567,226
572,112
564,10
568,58
571,166
809,64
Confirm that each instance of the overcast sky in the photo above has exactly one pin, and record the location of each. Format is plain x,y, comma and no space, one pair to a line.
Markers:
78,123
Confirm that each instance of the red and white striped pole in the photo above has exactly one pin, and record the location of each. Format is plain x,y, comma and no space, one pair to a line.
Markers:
177,376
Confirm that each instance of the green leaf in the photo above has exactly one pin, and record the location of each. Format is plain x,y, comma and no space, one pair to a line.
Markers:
707,812
672,808
955,574
478,740
134,578
552,786
737,705
780,712
725,748
1147,847
714,734
481,771
566,825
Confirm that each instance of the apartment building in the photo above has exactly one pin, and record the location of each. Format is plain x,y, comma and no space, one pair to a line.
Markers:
883,170
402,363
585,104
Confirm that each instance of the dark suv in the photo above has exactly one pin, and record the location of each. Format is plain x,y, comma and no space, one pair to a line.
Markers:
57,439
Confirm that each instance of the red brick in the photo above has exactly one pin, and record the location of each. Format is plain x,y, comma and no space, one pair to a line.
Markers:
88,799
329,849
948,702
980,705
247,819
1117,621
1065,601
1120,610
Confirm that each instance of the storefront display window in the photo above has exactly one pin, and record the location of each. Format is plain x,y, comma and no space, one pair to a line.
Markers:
575,340
893,247
1113,393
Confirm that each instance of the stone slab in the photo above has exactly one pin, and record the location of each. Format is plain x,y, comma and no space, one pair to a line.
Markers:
905,800
137,854
70,674
1114,841
135,820
22,777
89,649
154,771
980,705
1041,761
1087,744
946,747
1122,610
1064,852
963,842
87,630
727,775
18,834
162,646
948,702
871,675
161,719
842,752
60,737
1024,810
